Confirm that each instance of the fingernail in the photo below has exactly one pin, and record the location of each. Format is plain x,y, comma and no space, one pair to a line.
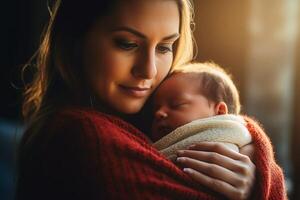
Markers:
179,152
187,170
180,159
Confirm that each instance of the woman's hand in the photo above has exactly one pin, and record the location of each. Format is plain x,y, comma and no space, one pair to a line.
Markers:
219,168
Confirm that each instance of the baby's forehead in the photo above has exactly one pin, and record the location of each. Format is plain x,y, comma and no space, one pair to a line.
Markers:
179,84
186,75
185,80
183,77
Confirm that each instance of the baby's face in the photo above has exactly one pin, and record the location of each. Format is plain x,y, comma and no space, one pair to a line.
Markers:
177,102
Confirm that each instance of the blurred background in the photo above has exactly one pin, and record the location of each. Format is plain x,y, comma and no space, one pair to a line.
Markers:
257,41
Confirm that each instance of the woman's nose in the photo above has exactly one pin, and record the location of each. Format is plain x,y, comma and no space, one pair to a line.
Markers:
145,68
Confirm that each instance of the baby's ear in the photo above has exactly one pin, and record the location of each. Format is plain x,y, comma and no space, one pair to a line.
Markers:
221,108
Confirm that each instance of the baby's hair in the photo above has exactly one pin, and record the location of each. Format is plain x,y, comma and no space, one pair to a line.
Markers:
215,83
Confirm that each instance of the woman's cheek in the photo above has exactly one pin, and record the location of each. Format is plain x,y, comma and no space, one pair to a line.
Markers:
164,67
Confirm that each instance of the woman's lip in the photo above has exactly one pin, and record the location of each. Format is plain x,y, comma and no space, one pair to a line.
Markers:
135,91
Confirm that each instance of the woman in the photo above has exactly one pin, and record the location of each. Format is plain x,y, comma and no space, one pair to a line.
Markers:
98,63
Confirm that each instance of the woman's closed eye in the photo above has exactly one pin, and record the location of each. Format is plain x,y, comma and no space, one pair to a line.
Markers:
125,44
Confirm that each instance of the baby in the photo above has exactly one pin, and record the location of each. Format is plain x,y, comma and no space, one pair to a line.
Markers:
197,102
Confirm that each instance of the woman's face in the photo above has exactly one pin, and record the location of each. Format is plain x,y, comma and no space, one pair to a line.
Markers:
128,54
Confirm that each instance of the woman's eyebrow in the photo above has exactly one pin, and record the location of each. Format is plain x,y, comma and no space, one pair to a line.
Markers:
173,36
141,35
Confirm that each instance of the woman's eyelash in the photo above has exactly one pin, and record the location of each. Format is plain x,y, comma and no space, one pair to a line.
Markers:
125,44
165,49
129,45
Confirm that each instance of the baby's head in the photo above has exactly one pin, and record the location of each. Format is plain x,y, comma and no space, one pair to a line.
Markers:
193,91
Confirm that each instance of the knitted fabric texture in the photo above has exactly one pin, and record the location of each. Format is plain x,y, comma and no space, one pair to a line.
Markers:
269,176
228,129
83,154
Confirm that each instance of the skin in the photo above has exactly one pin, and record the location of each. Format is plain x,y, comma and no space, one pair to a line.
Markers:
129,54
220,168
177,103
126,56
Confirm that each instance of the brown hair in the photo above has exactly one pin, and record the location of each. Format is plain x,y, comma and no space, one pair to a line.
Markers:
58,76
58,79
215,83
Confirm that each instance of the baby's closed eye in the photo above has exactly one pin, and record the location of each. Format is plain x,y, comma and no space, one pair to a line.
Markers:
179,105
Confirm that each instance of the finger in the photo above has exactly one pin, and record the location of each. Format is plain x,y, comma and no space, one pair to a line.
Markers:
217,185
219,148
212,170
213,158
248,150
242,167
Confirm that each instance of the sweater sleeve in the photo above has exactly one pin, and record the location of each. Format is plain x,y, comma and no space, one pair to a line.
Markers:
269,176
89,157
70,161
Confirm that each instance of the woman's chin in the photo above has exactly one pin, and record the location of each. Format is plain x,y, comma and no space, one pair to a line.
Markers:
120,105
132,109
126,107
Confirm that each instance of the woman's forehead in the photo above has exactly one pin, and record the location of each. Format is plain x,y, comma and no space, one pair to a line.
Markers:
147,17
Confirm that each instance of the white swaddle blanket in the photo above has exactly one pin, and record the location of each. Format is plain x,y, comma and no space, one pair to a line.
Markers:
228,129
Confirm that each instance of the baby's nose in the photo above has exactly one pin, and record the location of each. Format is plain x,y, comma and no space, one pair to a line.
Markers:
160,114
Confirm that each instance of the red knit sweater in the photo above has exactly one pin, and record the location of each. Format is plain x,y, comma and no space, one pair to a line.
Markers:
269,176
83,154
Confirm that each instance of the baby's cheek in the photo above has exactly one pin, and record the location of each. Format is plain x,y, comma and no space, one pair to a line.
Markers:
181,118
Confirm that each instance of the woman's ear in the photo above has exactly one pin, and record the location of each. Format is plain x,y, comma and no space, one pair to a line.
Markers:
221,108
